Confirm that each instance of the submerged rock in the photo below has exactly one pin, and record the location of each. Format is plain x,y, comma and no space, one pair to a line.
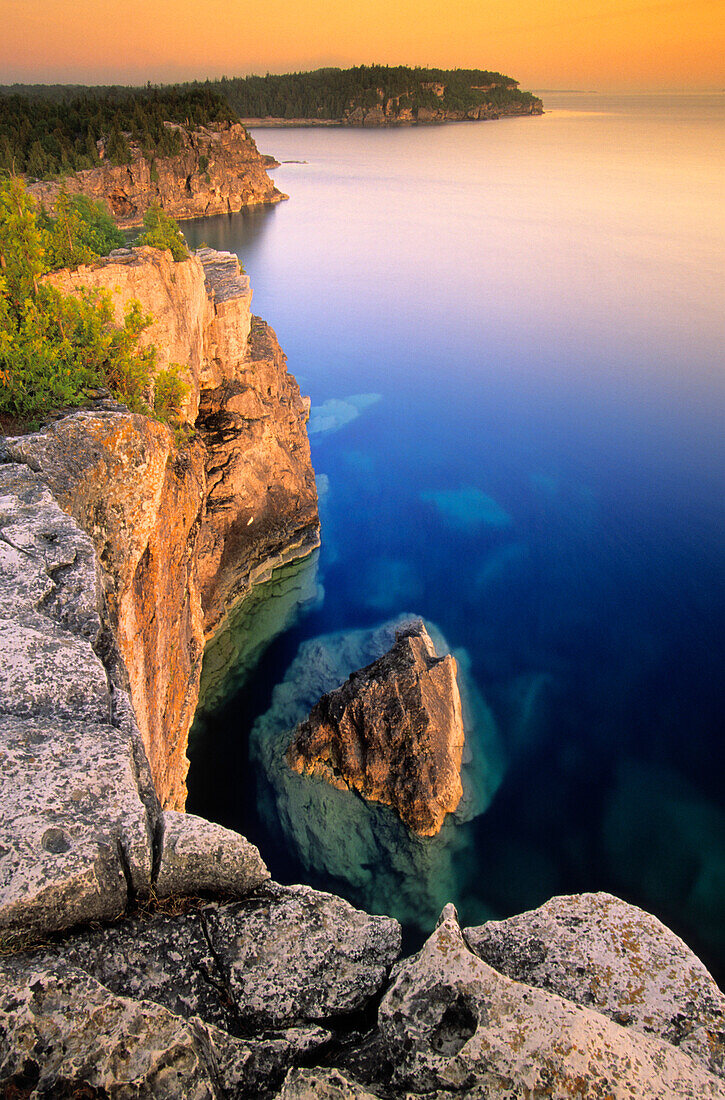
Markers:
364,846
393,732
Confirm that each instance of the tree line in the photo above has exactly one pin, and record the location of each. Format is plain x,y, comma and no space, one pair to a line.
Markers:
47,132
330,93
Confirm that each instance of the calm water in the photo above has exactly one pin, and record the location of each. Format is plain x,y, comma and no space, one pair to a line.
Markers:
530,317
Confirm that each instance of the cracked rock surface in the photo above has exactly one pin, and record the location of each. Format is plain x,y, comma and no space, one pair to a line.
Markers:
76,834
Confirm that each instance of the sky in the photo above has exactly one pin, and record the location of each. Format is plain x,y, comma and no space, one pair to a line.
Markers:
602,45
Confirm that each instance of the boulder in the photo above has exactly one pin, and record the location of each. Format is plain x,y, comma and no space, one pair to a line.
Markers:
65,1034
292,954
393,732
600,952
454,1026
199,857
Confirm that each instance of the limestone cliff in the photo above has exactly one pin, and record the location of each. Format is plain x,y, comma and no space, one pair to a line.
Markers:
219,171
183,531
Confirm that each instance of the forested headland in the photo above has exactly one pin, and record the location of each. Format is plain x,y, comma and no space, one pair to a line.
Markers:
333,94
56,130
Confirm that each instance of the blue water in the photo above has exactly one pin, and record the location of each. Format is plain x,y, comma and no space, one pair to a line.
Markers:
538,307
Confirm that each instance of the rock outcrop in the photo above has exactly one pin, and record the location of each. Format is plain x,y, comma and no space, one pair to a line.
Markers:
452,1025
393,732
218,171
171,523
603,954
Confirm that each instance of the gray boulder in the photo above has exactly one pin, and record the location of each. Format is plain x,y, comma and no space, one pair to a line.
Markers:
62,1030
600,952
453,1026
199,857
293,954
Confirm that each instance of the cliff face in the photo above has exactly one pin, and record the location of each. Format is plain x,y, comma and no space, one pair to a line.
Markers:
171,525
218,171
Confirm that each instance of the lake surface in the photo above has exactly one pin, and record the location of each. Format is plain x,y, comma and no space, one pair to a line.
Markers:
529,318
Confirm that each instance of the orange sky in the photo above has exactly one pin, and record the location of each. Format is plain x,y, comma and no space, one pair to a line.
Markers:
606,45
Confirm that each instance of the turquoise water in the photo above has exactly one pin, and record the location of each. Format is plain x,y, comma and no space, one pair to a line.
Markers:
512,336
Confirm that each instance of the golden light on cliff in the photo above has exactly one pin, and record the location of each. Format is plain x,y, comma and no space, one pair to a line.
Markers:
621,44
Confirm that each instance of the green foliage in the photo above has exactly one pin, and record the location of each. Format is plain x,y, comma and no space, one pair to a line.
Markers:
169,392
203,164
59,347
96,227
162,231
47,131
22,243
67,246
55,348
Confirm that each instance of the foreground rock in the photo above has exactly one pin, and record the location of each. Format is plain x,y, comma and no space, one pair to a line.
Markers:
220,1000
393,732
452,1026
199,857
78,808
219,171
602,953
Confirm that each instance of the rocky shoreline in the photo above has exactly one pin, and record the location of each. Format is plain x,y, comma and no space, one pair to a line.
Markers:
385,115
145,952
219,171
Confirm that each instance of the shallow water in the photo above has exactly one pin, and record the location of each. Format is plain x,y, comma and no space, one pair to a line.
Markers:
512,335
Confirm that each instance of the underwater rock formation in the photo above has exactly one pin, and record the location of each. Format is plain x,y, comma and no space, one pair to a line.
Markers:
393,732
336,834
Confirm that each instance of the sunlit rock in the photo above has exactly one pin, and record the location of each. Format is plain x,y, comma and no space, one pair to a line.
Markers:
393,732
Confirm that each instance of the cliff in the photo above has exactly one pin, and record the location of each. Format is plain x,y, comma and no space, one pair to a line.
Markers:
146,953
180,531
394,111
219,171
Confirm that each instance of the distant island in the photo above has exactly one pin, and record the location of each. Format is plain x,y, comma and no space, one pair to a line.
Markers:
376,95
